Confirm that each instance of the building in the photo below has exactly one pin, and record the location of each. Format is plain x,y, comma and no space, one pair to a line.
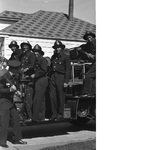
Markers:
43,28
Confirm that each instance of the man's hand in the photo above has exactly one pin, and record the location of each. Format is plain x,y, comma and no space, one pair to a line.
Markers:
26,69
33,76
65,85
13,88
91,56
18,93
79,48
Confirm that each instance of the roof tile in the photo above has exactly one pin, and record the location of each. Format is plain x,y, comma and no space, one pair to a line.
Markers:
47,25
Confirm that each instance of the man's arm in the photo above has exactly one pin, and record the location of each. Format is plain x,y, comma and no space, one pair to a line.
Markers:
68,68
32,61
42,69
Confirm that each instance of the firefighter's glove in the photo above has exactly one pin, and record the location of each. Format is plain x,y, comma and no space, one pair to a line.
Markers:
13,88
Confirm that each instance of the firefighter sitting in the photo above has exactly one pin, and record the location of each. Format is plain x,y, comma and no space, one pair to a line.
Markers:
87,52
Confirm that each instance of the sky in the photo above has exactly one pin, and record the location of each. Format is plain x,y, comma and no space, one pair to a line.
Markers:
83,9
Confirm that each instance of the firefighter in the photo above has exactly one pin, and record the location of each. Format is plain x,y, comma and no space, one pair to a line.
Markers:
27,68
27,58
59,76
16,52
7,107
41,83
88,52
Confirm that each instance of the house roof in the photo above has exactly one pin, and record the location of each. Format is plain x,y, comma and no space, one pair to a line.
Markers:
46,24
9,15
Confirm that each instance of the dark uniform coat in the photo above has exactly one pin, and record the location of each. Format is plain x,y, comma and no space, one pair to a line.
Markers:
60,73
16,55
89,48
41,83
8,110
90,77
28,61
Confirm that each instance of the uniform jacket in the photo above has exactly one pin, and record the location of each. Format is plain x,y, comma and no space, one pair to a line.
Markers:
40,67
89,48
28,61
16,55
61,64
6,97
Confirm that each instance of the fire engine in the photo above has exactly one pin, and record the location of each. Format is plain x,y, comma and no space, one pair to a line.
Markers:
78,109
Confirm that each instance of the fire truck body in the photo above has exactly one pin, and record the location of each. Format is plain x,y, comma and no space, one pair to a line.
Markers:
78,109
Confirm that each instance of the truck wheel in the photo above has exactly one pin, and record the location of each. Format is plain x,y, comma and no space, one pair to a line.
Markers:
82,113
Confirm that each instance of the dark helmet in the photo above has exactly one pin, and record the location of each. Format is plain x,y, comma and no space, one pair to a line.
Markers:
14,65
58,44
87,33
37,48
26,43
13,43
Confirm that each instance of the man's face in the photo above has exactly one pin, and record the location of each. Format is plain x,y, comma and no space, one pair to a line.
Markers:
89,38
25,48
58,49
14,48
36,54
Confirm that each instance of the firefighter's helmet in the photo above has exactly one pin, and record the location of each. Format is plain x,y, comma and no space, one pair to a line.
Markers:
13,43
37,48
87,33
26,43
58,44
14,65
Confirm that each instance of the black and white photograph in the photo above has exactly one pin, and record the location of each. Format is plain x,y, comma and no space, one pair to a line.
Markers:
48,75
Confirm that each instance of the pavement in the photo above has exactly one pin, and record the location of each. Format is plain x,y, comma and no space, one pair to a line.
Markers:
72,135
43,142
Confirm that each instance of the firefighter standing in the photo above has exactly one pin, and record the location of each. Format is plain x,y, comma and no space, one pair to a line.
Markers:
59,77
16,51
27,68
27,58
7,107
41,83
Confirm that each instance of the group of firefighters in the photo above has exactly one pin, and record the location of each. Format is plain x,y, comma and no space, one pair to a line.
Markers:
27,62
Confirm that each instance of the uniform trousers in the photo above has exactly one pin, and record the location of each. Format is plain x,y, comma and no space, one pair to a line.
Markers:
57,94
27,105
39,99
89,86
28,101
6,115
